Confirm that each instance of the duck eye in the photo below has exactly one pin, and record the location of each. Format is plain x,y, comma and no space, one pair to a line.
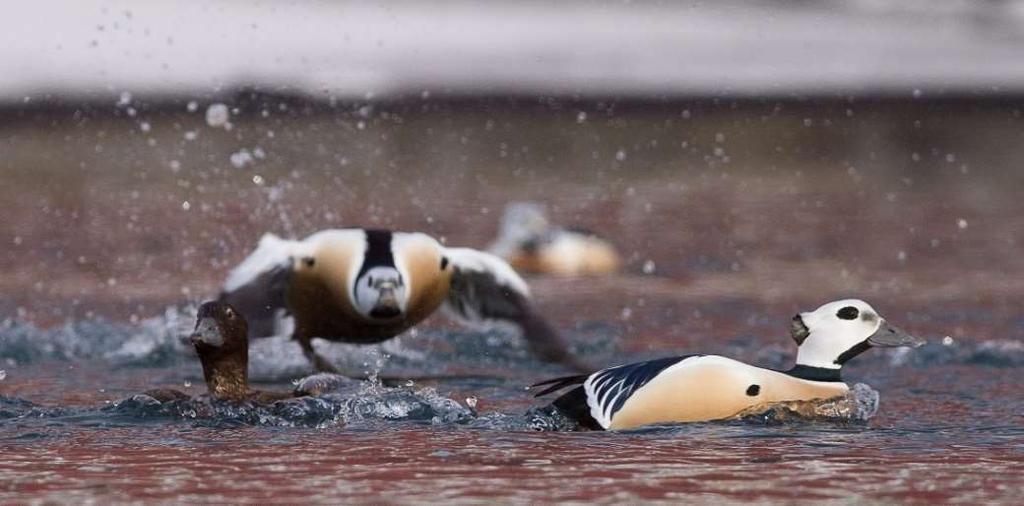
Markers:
369,281
848,313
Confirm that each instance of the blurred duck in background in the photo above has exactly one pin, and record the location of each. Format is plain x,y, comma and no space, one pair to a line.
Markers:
532,245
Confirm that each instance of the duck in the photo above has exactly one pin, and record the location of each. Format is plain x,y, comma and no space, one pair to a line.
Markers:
696,388
366,286
532,245
221,341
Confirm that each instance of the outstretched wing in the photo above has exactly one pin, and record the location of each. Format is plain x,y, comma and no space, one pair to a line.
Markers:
608,390
485,289
256,287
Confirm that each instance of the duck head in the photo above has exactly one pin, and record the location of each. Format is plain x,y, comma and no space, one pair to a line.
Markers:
836,332
380,293
221,340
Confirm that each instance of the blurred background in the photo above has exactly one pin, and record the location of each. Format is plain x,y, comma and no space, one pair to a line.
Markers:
770,154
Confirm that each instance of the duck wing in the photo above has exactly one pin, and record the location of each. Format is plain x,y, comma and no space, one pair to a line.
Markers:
486,290
256,287
609,389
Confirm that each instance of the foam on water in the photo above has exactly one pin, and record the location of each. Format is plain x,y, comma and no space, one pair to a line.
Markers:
355,405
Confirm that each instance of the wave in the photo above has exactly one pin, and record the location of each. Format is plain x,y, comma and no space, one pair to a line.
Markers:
369,404
161,341
362,404
991,353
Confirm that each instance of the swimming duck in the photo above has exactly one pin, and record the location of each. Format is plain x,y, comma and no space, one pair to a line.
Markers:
532,245
222,344
366,286
694,388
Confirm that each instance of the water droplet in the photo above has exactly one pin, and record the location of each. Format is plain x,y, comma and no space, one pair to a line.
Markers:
947,341
3,374
581,117
145,126
217,115
620,155
186,206
192,106
648,267
241,158
961,223
187,383
258,179
902,256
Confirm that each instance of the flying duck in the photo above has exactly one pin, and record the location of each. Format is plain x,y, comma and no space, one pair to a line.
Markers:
366,286
532,245
694,388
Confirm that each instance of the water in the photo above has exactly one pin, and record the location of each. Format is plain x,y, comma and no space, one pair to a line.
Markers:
948,427
730,216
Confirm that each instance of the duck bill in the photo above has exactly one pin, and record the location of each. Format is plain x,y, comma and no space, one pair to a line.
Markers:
890,336
387,306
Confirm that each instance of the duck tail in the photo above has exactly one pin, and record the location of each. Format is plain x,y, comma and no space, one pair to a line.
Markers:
556,384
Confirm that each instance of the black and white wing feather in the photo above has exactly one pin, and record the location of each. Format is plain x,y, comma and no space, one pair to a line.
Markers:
608,390
256,287
486,290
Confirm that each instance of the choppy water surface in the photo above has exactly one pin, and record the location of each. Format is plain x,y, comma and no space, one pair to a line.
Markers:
948,427
731,217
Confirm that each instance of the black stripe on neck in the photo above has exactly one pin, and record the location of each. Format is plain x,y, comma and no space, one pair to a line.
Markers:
378,251
859,348
815,373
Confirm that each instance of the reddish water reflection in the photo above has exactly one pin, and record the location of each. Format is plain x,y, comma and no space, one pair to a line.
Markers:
252,465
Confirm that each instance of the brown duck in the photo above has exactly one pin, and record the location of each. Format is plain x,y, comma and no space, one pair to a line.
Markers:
221,340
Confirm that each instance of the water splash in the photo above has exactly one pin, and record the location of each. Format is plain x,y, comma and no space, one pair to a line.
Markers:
365,404
154,341
858,406
162,341
346,403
